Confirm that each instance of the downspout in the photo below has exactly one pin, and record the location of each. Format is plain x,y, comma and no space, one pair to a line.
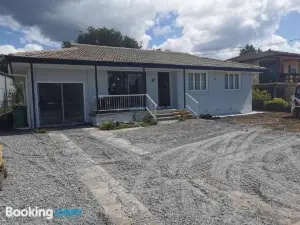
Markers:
33,95
184,100
97,93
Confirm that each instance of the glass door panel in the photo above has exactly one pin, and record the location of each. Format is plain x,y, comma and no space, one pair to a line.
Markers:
73,103
50,104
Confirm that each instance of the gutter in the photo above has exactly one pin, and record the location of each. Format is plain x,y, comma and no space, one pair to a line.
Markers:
20,59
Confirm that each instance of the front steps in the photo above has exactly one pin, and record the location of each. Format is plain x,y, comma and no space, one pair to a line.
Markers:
173,114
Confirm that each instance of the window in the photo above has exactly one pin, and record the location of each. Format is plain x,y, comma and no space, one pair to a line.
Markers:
197,81
292,69
124,83
232,82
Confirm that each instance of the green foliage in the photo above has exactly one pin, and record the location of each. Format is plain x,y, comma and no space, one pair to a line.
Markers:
249,49
276,104
41,131
107,125
259,98
3,64
110,125
66,44
17,94
106,37
147,121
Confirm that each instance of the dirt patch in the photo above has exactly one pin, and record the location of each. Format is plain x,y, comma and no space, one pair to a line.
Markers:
273,120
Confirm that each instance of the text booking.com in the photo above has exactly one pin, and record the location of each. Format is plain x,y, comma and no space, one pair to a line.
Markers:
46,213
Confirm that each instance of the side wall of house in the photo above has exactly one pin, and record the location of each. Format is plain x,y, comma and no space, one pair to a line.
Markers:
218,101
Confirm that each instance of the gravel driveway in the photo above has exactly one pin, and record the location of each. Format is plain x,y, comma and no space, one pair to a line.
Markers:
192,172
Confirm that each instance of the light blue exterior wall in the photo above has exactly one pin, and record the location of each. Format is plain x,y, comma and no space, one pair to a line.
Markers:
215,100
218,101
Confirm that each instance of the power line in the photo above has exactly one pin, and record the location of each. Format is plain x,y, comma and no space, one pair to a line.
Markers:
239,48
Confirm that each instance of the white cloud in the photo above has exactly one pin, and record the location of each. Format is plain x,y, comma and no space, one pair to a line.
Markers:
7,49
219,25
30,34
207,26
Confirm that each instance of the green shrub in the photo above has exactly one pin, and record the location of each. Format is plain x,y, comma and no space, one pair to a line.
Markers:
108,125
259,98
277,104
41,131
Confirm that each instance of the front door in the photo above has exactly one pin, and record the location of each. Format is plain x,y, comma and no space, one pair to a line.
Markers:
163,89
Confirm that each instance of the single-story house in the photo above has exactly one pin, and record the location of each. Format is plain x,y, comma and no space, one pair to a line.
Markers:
62,85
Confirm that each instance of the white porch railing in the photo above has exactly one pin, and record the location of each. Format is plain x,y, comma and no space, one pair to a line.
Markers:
192,105
121,102
151,106
127,102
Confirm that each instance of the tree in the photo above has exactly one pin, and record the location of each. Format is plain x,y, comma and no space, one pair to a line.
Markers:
249,49
3,64
106,37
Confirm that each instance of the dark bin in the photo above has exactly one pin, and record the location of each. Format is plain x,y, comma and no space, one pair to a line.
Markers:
20,115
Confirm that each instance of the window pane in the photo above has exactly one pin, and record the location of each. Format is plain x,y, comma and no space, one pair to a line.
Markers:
197,81
191,81
226,81
237,81
203,81
231,81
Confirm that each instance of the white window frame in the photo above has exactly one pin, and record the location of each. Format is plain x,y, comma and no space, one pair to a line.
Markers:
234,78
194,81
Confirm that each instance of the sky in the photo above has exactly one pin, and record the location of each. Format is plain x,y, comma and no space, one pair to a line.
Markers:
213,29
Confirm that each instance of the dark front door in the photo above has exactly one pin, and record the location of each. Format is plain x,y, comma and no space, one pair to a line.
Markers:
50,104
73,103
163,89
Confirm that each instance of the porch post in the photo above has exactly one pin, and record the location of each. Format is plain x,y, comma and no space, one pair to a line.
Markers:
145,86
33,95
97,93
184,100
145,80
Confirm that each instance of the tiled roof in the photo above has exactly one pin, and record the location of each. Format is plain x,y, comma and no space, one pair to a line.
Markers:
269,53
95,53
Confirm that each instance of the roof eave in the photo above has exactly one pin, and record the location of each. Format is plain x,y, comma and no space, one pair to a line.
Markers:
21,59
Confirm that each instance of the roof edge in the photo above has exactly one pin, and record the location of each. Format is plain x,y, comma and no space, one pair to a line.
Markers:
20,59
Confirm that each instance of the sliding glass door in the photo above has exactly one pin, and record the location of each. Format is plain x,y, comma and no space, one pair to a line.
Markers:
60,103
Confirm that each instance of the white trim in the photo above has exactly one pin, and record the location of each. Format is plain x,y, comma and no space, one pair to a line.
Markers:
57,82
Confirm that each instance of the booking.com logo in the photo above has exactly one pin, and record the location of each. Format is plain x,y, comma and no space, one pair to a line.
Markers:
47,213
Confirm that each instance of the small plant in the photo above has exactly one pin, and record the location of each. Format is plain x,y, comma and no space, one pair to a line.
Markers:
276,104
108,125
259,98
147,121
41,131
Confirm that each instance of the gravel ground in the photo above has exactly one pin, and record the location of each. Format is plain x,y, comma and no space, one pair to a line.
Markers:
40,175
196,172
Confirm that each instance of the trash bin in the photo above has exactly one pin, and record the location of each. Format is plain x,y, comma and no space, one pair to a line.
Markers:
20,116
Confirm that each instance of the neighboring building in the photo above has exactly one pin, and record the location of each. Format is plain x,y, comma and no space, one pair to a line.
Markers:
282,73
62,85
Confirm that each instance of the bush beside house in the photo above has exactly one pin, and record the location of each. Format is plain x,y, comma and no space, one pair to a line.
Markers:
261,100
